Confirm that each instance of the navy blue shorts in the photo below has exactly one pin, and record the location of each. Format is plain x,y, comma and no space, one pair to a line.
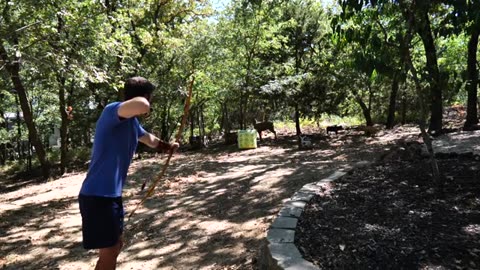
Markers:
102,221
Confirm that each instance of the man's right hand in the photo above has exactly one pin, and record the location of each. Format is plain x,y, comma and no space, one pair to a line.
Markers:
174,146
163,146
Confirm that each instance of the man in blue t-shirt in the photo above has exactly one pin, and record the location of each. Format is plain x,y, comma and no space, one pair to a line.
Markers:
116,137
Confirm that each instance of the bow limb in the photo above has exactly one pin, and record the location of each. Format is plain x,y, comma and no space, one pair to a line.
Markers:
159,177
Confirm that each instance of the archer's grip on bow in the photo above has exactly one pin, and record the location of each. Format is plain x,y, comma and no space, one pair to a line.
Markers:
165,147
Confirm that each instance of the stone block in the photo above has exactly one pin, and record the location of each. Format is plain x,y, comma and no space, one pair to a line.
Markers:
334,176
284,251
297,264
285,223
290,211
310,188
280,236
302,196
292,203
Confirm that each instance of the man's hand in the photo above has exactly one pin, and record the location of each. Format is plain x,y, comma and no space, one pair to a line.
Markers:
174,146
163,146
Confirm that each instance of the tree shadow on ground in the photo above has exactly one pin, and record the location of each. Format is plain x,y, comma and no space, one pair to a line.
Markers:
34,229
220,209
18,181
211,210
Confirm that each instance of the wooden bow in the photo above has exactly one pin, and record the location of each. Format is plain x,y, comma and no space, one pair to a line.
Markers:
170,154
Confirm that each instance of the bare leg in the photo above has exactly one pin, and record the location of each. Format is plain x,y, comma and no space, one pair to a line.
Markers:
108,256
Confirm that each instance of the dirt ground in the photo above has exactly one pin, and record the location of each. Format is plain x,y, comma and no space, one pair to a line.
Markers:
210,212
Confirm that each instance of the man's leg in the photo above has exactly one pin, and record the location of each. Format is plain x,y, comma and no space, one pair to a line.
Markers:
108,256
102,226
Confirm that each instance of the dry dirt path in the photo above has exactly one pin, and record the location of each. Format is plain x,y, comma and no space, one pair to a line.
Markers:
211,212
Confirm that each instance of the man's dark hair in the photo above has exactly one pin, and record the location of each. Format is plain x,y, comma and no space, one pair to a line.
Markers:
137,87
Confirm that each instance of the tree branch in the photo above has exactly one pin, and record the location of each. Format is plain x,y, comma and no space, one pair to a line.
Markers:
27,26
384,31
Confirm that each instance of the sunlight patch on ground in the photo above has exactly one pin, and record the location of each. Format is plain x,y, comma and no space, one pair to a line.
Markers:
472,229
220,191
214,226
376,228
421,214
249,229
271,178
62,188
432,267
8,207
342,157
52,238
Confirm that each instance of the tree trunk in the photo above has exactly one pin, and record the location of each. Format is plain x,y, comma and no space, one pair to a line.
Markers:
192,122
365,110
404,109
86,137
436,107
13,68
199,120
222,119
241,111
202,119
170,120
423,109
29,157
393,102
297,120
472,80
19,131
63,125
227,123
3,146
437,178
164,128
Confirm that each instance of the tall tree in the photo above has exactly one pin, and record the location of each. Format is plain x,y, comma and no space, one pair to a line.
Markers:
302,30
421,20
423,28
466,16
15,21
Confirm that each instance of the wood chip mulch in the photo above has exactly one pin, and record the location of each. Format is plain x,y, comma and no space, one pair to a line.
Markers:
392,216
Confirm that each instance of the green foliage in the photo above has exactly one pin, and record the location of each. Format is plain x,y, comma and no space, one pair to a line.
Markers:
255,59
328,120
13,167
80,155
321,122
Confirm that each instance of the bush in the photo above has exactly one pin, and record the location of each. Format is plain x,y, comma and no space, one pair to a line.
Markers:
80,155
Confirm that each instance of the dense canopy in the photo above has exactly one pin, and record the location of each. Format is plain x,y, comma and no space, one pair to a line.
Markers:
61,62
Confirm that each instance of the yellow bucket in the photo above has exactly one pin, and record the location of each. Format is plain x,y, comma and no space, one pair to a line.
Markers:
247,139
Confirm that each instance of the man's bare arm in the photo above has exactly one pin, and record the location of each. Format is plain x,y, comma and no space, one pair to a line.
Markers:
134,107
150,140
154,142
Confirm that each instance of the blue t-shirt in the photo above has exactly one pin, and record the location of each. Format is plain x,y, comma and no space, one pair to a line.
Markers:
113,147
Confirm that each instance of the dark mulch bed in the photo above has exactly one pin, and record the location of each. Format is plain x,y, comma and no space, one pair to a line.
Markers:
390,216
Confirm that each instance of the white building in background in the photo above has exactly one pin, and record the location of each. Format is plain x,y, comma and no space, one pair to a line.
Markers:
11,119
54,138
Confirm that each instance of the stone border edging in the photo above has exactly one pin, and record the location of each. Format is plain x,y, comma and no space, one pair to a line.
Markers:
279,251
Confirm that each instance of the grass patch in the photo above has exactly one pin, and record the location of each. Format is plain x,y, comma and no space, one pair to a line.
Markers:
323,122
